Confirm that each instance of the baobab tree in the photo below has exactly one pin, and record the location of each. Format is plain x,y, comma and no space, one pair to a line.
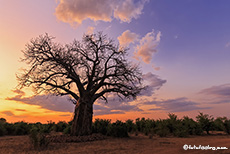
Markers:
85,70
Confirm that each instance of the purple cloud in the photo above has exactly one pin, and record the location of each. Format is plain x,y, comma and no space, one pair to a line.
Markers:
62,104
175,105
217,94
153,83
8,113
115,105
50,102
221,90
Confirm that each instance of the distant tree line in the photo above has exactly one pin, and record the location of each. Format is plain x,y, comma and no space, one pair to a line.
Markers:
172,126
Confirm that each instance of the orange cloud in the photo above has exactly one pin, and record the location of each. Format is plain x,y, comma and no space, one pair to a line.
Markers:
76,11
128,10
147,46
127,37
71,11
90,30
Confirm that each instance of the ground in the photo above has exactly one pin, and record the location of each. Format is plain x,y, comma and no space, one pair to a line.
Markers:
133,145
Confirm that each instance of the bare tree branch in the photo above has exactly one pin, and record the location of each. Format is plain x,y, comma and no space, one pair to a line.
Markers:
90,68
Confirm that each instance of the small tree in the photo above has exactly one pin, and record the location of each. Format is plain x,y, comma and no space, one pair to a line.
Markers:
205,121
2,120
85,70
191,126
227,126
219,123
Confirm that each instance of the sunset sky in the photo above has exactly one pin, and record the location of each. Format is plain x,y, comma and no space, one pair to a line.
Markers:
182,46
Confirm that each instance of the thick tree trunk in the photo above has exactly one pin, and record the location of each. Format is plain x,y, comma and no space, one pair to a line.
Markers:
82,121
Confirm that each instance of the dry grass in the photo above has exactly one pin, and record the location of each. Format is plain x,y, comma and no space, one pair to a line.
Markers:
133,145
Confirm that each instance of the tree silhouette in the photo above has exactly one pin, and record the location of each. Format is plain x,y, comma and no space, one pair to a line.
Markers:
86,70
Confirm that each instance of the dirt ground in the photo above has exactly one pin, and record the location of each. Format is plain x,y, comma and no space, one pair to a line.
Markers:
133,145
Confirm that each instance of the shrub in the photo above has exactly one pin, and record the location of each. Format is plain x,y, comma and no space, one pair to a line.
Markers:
2,129
140,124
21,128
172,123
181,131
149,126
205,121
3,120
130,125
192,127
38,139
219,123
10,129
161,128
60,126
101,126
67,130
117,129
226,124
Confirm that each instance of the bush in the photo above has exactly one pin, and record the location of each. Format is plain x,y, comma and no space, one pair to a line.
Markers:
67,130
149,126
192,127
101,126
117,129
227,126
21,128
3,120
2,129
219,124
161,128
181,131
205,121
130,125
172,123
38,139
140,124
10,129
60,126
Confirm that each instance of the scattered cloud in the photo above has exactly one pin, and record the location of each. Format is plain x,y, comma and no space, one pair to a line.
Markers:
217,94
147,46
19,92
175,105
153,83
128,9
227,45
127,37
156,68
176,37
76,11
62,104
64,115
8,113
50,102
221,90
90,30
114,106
22,110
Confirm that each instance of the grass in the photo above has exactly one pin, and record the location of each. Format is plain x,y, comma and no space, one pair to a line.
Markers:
133,144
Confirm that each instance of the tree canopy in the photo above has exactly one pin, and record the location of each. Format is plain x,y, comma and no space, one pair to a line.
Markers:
94,66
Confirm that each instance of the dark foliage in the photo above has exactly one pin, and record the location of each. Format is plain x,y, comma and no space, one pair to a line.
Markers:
205,121
172,126
117,129
101,126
